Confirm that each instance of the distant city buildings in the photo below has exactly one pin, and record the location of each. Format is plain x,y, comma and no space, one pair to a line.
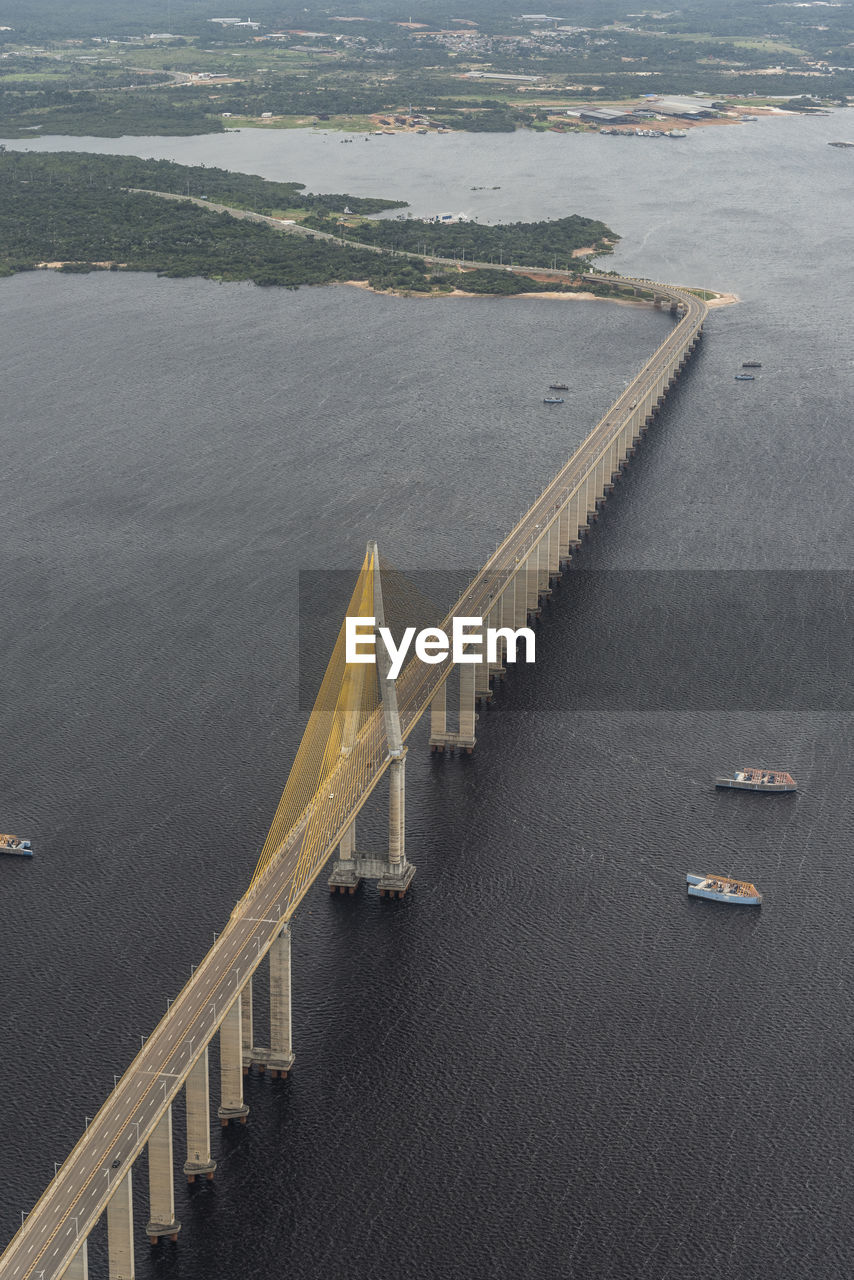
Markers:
694,108
603,115
236,22
500,75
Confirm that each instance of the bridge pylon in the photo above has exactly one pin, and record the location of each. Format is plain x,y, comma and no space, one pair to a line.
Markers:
393,873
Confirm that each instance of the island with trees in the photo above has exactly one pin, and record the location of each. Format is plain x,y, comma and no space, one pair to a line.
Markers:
82,212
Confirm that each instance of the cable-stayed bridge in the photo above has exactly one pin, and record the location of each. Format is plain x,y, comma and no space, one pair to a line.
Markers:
356,734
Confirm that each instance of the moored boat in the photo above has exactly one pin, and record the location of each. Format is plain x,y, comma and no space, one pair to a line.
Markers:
744,377
759,780
12,844
552,399
740,893
751,364
558,386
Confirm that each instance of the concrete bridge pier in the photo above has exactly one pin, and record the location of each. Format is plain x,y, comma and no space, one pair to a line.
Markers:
120,1231
232,1106
564,536
574,508
78,1268
531,571
246,1025
468,715
554,550
161,1182
542,550
614,462
482,687
398,875
520,597
590,499
503,613
439,718
601,481
197,1092
281,1057
345,878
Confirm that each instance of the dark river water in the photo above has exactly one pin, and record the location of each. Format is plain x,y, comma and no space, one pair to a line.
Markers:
547,1061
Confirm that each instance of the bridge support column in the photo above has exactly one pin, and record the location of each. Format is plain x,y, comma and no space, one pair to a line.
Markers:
506,617
602,478
498,620
543,589
564,533
482,688
246,1025
78,1268
398,876
468,715
575,521
532,578
197,1092
232,1106
398,873
120,1231
614,461
281,1057
554,549
520,597
439,718
345,878
161,1182
590,498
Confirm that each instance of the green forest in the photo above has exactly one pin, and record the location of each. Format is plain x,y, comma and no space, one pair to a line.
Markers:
530,244
75,209
243,190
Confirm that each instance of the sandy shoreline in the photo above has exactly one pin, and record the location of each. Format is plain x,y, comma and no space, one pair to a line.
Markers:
722,300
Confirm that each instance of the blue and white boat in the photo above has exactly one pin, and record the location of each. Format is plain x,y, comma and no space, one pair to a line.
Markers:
740,893
11,844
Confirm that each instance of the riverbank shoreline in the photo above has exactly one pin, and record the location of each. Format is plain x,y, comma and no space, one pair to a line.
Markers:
720,300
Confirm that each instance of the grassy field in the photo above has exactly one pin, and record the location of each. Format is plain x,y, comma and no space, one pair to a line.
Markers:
741,42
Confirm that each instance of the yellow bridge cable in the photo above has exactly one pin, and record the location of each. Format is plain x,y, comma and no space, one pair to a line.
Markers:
348,696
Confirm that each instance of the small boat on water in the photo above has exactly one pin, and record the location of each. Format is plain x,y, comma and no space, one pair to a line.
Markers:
558,386
840,144
740,893
745,377
758,780
751,364
552,399
14,845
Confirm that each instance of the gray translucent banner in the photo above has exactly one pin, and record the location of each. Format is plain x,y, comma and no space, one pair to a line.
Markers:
703,640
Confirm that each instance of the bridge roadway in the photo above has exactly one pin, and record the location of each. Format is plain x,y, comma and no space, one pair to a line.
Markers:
78,1195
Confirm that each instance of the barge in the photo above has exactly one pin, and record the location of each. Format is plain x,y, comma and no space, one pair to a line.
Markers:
758,780
740,893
